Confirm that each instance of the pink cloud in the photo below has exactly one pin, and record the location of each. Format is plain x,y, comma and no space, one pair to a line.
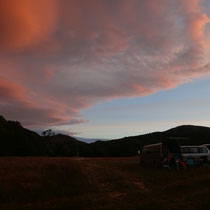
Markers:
63,56
16,103
24,23
11,91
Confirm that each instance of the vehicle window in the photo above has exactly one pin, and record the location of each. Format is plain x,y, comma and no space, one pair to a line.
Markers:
208,147
185,150
203,150
193,150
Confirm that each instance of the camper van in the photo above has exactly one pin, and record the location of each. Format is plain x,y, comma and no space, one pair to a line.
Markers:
167,153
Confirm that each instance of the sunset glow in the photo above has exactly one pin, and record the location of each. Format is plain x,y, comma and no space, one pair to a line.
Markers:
94,68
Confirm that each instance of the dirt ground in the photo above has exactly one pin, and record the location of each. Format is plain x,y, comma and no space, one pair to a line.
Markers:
99,183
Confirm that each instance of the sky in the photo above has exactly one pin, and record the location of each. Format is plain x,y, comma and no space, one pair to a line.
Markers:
105,68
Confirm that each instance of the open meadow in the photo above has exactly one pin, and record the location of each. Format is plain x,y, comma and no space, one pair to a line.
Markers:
99,183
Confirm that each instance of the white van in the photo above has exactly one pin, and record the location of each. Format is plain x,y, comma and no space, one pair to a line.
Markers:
207,145
199,154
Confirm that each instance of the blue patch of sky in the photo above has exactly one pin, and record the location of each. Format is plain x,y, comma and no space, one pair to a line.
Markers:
188,101
206,7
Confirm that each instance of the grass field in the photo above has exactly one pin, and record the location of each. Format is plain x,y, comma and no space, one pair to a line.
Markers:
99,183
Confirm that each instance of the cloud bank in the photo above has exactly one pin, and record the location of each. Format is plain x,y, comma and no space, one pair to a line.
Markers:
60,56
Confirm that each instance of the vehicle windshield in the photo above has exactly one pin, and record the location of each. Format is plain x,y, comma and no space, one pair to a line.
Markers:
208,146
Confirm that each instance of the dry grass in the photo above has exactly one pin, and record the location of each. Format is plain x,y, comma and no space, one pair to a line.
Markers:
99,183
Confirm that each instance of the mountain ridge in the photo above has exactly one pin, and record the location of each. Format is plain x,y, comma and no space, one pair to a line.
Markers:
15,140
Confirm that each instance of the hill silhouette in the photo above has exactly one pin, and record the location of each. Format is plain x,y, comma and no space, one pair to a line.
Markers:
16,140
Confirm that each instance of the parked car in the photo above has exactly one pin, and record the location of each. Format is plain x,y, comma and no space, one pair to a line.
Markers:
196,155
166,153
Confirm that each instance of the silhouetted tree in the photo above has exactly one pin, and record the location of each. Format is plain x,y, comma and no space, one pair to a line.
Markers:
48,132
